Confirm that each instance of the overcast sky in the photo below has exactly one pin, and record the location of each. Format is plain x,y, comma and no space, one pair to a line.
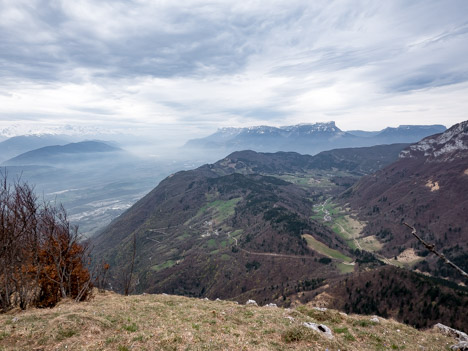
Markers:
188,67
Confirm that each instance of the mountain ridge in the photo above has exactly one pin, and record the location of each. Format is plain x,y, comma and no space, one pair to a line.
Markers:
59,153
306,138
17,145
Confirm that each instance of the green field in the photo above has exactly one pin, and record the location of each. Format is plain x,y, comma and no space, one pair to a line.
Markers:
341,223
320,247
309,180
164,265
221,209
345,268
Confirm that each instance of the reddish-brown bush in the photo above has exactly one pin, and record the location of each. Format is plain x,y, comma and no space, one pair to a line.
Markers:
41,257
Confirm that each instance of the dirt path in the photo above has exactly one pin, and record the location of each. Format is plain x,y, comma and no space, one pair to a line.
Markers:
326,217
275,254
230,237
267,253
356,242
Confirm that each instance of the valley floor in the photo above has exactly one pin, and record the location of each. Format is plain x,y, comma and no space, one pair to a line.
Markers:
163,322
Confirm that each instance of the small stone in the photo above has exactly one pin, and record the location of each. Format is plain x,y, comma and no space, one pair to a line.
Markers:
251,302
375,319
323,309
218,299
206,299
290,318
271,305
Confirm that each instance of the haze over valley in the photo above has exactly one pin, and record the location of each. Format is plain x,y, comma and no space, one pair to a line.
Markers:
98,180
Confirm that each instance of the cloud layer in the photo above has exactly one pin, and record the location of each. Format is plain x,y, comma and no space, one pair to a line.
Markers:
189,67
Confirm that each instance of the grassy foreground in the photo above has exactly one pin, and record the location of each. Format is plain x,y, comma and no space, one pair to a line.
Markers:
162,322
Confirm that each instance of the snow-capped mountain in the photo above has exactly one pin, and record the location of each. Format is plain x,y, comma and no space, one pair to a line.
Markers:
305,138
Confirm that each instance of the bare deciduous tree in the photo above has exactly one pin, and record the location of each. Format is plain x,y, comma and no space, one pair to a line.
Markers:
128,274
431,248
41,257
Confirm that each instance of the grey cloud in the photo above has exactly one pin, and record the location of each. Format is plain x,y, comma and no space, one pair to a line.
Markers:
220,45
390,47
426,80
210,41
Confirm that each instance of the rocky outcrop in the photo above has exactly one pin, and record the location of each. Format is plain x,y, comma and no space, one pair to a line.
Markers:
462,337
320,328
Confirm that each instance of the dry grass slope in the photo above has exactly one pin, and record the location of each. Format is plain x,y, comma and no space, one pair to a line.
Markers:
163,322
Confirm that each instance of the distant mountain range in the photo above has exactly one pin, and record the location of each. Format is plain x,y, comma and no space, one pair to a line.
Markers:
17,145
67,130
70,153
306,138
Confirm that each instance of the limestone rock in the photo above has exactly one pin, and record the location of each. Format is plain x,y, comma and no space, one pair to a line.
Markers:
251,302
271,305
320,328
323,309
461,346
461,336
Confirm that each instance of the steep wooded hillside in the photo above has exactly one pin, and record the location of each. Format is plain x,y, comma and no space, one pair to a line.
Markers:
240,227
427,187
406,296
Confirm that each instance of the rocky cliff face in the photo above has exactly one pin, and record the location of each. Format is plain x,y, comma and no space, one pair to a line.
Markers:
444,147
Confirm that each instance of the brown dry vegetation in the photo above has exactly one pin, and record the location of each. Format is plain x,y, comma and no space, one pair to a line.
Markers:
41,258
163,322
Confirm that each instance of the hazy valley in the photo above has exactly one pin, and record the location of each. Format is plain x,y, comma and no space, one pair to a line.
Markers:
284,227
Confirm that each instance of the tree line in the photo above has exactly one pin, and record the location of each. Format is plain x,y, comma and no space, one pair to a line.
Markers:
41,257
